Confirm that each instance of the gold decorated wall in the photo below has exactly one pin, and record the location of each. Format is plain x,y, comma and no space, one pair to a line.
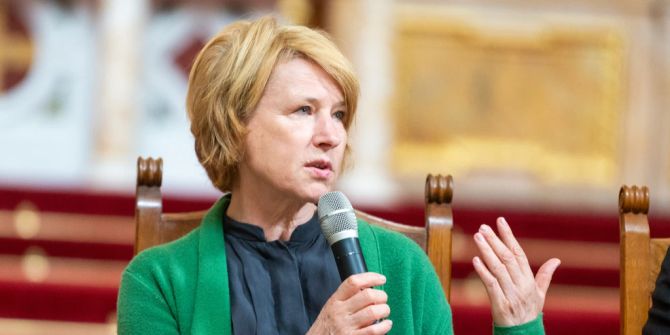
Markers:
524,103
541,100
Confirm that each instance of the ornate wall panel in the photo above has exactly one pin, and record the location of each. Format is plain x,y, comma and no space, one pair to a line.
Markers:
542,101
46,86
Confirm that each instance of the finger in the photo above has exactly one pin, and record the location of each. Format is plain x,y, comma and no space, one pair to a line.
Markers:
355,283
366,297
508,237
369,315
490,282
505,255
382,327
544,275
494,265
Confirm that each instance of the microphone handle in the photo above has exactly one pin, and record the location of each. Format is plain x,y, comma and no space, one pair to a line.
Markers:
348,257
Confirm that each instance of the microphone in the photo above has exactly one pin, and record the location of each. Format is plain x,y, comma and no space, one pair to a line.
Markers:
339,226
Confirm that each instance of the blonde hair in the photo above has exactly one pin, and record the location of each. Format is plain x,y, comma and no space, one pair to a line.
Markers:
229,76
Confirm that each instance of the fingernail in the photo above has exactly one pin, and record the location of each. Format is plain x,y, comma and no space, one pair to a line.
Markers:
479,237
503,221
485,228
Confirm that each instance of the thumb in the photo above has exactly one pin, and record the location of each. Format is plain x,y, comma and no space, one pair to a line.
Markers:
544,274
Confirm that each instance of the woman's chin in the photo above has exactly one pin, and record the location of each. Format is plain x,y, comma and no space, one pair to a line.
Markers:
314,194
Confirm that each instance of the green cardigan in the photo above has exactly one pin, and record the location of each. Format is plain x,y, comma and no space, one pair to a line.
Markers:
182,287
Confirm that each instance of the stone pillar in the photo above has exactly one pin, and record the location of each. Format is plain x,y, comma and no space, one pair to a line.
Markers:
363,29
637,123
121,31
661,145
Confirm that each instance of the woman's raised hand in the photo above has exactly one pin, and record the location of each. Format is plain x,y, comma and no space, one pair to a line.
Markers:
516,295
354,308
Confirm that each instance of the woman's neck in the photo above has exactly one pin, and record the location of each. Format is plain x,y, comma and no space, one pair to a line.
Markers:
277,217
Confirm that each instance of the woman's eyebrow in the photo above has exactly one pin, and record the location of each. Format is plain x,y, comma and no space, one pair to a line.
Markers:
312,100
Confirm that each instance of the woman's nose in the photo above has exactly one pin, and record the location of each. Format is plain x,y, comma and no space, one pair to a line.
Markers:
328,131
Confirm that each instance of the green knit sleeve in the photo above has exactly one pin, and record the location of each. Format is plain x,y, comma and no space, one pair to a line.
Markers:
437,312
142,309
535,327
416,298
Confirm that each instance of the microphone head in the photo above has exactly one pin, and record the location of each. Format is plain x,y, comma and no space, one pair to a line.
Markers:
337,217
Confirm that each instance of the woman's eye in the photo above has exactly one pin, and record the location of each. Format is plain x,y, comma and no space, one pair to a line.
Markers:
305,109
340,115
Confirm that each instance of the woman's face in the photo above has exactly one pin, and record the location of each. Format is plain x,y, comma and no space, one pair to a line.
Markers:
296,136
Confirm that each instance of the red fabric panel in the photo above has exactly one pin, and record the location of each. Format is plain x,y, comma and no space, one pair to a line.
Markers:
56,302
15,246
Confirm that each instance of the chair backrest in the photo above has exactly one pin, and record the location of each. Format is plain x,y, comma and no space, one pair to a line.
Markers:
641,258
153,227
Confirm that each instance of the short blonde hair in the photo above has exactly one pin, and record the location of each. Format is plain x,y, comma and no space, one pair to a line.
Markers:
229,76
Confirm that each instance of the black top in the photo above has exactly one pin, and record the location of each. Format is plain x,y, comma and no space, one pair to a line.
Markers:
277,287
659,314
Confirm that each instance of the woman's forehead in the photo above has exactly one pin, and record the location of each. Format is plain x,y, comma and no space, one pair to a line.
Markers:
303,78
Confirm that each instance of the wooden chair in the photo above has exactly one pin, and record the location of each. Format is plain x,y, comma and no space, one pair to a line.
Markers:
641,258
153,227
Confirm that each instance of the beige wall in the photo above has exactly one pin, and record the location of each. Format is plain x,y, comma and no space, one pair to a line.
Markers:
525,103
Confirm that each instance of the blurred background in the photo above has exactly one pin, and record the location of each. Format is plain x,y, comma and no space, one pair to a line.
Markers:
540,110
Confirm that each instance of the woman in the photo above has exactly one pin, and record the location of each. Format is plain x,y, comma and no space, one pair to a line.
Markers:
658,321
270,107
